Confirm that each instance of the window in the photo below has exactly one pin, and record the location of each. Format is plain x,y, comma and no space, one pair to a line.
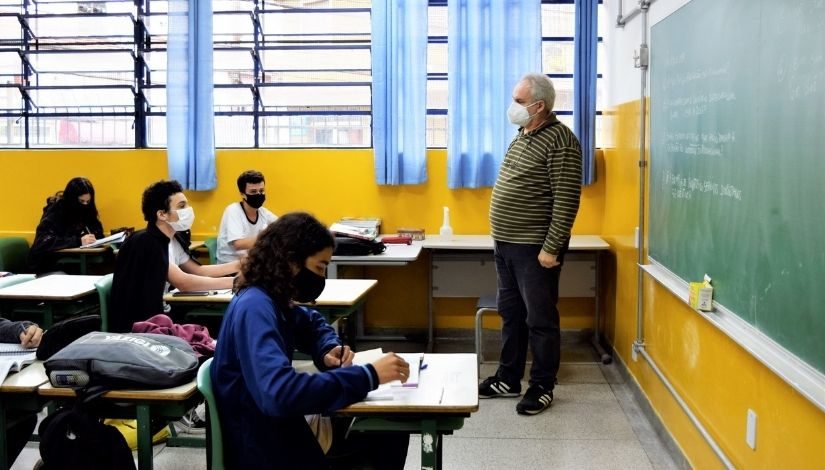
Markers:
68,74
288,73
558,26
558,29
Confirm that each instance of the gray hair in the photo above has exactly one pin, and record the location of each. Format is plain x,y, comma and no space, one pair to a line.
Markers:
541,87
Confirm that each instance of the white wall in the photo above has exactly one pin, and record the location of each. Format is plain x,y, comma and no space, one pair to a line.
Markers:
622,78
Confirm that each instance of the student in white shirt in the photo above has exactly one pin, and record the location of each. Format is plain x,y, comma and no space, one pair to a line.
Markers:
242,222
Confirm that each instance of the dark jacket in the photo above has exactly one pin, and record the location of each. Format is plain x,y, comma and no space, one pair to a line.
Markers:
10,330
58,229
141,269
262,400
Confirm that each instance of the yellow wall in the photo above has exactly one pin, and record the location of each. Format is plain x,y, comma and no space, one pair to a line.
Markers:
328,183
719,380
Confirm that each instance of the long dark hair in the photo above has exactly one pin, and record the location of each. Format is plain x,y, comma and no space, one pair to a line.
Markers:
66,201
287,242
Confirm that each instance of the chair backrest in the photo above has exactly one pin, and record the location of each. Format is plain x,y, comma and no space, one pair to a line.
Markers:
215,439
211,244
104,293
13,253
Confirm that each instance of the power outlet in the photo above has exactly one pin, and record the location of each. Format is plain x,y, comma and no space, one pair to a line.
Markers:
750,431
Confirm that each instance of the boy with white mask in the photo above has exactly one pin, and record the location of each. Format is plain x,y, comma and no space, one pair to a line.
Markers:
152,259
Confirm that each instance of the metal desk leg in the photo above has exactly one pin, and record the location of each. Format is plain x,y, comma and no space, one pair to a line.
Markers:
144,437
48,315
83,263
430,313
3,445
597,337
430,445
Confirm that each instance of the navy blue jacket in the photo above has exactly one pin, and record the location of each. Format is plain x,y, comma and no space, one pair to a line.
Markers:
261,399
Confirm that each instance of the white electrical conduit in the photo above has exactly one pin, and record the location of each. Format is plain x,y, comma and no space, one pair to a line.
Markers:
639,344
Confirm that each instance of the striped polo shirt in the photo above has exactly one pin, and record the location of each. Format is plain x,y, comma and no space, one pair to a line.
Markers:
536,195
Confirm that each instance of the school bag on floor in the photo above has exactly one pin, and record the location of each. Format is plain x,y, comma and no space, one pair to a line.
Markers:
74,438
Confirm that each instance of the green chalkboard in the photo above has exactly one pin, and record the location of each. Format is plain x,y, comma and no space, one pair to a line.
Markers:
737,166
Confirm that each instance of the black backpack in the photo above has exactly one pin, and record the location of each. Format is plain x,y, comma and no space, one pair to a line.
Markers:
348,246
75,438
63,333
115,360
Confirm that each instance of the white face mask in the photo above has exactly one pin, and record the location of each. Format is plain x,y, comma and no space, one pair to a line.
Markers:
519,115
186,217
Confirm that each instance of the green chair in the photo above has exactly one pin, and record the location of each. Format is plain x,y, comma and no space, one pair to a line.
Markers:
104,291
211,244
13,253
214,443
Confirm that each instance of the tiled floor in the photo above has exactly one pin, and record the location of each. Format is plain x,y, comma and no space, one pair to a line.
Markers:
594,423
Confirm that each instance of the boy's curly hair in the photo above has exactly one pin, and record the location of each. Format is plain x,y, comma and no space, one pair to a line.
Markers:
287,242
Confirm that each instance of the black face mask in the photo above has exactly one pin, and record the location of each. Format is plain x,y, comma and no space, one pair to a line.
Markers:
308,285
255,200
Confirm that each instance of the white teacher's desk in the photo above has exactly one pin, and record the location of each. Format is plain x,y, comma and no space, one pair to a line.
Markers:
467,252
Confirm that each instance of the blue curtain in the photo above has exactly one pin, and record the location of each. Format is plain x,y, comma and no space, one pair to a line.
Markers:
492,44
399,91
190,133
584,84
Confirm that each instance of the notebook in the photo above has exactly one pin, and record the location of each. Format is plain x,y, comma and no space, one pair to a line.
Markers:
13,357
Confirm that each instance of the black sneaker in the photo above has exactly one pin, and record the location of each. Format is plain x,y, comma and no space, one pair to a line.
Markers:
536,399
493,387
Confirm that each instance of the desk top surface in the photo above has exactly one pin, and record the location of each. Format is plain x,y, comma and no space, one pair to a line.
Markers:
395,253
53,287
85,251
449,385
27,380
181,392
337,293
485,242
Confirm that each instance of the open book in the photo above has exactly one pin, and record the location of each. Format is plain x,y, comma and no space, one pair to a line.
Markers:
13,357
116,238
385,391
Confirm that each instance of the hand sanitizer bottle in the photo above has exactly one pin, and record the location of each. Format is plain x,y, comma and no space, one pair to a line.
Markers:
446,232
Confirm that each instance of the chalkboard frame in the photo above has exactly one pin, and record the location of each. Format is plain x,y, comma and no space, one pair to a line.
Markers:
807,378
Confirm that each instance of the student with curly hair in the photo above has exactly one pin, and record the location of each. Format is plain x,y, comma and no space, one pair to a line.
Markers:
263,401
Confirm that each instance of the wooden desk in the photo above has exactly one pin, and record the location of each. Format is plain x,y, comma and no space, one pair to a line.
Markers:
169,404
587,244
340,298
19,392
82,255
447,394
51,290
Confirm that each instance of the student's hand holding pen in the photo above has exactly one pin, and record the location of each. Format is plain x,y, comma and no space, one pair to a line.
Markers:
391,367
339,356
30,337
87,237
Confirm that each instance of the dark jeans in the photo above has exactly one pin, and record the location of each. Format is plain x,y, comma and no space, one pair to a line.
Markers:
18,434
527,298
366,450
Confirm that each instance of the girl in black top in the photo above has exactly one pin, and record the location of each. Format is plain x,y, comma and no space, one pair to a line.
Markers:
69,220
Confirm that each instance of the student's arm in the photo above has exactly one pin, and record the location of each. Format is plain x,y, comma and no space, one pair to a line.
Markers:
277,388
192,282
10,330
243,243
211,270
